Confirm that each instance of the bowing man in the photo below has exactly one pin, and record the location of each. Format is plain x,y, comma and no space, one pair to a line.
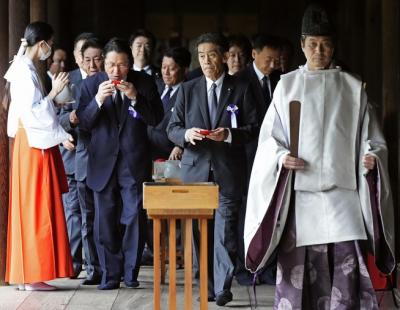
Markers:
116,106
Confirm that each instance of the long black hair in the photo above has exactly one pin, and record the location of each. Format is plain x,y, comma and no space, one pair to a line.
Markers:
38,31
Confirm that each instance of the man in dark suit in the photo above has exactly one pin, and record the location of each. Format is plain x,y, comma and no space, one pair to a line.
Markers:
115,107
214,117
142,44
263,76
175,64
68,120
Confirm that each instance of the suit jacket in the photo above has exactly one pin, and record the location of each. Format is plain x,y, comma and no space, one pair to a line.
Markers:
68,157
248,74
155,72
226,159
161,146
129,135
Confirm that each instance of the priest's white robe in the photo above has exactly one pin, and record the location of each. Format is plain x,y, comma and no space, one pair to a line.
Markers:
332,202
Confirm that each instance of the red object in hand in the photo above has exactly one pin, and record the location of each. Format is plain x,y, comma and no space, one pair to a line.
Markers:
116,82
205,132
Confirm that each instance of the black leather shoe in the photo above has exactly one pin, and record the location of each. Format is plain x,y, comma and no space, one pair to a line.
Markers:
91,281
223,298
111,285
132,284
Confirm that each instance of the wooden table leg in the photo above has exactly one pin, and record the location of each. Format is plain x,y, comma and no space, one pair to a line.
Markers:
187,223
203,265
156,262
163,249
172,264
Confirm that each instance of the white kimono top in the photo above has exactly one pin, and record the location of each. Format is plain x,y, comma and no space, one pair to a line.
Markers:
29,104
337,129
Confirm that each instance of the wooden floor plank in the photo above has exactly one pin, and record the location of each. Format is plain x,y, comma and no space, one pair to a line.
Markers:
88,297
11,298
57,300
73,296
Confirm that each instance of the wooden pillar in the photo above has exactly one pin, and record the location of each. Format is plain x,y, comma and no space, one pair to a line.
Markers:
18,12
372,55
391,96
3,42
38,10
53,17
3,139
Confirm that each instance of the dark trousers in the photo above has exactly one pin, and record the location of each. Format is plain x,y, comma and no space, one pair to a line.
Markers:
222,247
85,195
118,208
73,219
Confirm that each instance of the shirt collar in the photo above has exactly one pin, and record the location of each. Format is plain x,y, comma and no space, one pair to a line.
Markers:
217,82
147,68
260,75
83,74
174,87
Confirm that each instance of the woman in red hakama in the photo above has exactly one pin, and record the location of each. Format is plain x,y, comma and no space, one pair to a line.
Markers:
37,241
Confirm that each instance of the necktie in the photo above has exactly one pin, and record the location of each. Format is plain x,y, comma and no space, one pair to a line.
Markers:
118,104
166,99
265,88
213,104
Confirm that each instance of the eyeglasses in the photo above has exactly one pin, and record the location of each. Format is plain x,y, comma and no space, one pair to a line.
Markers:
121,66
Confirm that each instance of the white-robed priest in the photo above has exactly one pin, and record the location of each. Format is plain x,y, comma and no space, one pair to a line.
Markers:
322,210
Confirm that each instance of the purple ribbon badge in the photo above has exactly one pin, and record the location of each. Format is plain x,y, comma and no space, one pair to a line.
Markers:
233,110
132,112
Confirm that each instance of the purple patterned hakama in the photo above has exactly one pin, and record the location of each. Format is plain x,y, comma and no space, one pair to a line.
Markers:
322,277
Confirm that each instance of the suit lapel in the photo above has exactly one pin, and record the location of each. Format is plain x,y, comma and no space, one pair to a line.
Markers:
201,90
226,91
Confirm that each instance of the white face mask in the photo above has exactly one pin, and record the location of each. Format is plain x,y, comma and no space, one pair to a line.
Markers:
44,56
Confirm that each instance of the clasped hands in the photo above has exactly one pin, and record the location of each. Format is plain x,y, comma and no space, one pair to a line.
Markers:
197,134
107,88
294,163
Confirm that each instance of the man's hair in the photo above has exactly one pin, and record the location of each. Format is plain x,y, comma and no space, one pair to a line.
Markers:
261,40
143,33
119,46
83,36
241,41
215,38
180,55
91,43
